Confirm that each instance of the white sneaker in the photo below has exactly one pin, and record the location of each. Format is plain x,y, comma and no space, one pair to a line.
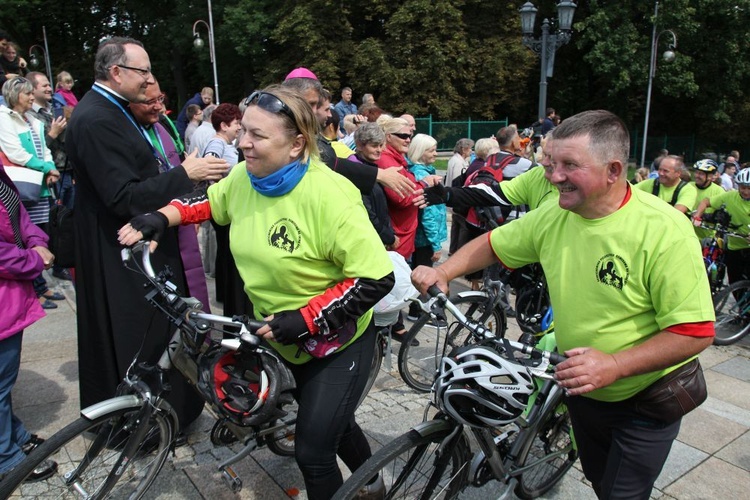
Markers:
374,491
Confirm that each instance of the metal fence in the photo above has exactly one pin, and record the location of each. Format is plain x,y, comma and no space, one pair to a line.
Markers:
447,133
690,147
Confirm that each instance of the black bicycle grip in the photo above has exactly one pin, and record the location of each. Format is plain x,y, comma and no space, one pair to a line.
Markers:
557,358
434,291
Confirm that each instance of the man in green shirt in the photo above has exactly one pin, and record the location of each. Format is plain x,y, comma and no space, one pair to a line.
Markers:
669,187
630,306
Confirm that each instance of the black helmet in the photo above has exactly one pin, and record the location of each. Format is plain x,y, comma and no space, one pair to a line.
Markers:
246,388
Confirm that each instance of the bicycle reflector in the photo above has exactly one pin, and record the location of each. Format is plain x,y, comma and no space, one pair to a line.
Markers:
480,388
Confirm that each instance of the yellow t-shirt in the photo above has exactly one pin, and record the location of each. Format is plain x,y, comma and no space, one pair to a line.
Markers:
530,188
293,247
616,281
739,210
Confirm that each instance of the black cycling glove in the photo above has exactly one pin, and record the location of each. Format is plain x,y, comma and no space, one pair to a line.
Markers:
437,194
152,225
289,327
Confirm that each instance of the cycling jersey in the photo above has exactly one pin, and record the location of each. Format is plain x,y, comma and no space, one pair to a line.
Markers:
686,197
707,192
739,209
292,249
611,288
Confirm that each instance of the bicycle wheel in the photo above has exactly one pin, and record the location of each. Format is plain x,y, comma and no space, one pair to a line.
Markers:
732,309
549,452
410,468
419,364
377,360
86,452
531,304
281,442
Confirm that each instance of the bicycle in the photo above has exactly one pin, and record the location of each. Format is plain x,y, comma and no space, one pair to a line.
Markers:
504,392
532,297
119,446
732,309
714,247
418,364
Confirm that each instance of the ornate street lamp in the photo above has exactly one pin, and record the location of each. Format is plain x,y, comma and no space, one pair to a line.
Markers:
198,43
34,60
669,56
547,45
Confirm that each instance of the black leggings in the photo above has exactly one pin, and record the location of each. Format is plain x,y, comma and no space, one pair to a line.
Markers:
327,393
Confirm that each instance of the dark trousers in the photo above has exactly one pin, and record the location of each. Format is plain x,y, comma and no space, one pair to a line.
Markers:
327,393
459,234
738,264
621,452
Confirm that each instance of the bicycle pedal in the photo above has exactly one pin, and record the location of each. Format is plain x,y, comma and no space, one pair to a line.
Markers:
232,479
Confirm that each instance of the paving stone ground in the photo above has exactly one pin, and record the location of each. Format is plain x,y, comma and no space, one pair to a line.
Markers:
710,460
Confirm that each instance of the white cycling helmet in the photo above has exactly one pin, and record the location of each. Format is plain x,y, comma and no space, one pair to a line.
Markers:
743,177
480,388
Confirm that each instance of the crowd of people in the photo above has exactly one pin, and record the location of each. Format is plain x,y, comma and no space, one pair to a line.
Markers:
256,194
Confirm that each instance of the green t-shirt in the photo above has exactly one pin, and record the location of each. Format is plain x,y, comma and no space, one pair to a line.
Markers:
614,281
530,188
708,192
739,209
686,197
293,247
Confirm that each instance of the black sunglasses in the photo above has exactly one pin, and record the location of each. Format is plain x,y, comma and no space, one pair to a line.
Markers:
403,136
270,103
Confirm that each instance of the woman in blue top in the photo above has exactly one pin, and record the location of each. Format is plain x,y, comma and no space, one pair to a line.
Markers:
432,229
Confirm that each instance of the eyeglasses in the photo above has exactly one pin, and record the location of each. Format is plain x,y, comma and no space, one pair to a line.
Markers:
270,103
403,136
144,72
159,100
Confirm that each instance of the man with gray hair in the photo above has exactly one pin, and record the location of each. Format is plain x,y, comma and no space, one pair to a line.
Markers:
632,311
119,174
510,144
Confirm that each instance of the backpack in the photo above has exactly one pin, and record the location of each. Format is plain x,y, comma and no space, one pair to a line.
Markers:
675,195
491,173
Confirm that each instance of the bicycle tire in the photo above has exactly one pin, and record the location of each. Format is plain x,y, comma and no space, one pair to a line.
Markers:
732,309
550,449
408,465
282,441
531,304
377,361
69,447
419,364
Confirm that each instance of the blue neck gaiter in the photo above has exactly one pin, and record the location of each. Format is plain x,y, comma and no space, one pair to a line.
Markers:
280,182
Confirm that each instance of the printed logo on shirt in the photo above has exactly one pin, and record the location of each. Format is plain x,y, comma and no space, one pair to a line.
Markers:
285,235
612,270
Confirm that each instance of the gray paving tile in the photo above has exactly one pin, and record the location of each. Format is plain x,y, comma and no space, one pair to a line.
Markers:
681,459
737,367
714,355
728,389
714,478
707,431
727,410
736,453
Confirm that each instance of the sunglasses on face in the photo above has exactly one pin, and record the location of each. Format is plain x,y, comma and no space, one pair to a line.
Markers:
402,136
270,103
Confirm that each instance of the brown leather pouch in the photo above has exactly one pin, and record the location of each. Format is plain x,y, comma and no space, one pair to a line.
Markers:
674,395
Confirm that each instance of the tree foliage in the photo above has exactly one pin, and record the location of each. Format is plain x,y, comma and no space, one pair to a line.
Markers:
450,58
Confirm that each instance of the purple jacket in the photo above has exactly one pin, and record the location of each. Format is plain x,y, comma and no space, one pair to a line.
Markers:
18,268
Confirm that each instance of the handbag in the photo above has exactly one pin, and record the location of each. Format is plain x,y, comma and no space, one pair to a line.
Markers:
674,395
61,233
27,181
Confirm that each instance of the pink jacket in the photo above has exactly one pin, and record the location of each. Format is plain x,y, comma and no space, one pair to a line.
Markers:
18,267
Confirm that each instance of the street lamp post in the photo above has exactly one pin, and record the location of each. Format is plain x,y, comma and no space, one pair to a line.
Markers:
198,42
34,61
547,45
669,56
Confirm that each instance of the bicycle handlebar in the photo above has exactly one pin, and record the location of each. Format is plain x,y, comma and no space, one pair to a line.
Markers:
195,315
553,357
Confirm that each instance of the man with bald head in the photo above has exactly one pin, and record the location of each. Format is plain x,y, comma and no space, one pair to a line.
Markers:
120,174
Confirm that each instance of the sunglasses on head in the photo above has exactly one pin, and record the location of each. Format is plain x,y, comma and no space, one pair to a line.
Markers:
402,136
270,103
